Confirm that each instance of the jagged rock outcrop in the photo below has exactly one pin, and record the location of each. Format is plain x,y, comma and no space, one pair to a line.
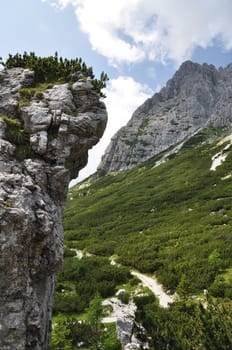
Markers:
197,96
42,147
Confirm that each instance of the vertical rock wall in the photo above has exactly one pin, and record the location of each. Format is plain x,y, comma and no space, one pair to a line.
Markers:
42,147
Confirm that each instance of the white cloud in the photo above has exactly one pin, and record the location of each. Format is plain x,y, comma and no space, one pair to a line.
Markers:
61,3
158,30
124,95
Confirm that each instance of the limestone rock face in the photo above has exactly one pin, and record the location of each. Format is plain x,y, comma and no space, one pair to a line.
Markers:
38,157
196,96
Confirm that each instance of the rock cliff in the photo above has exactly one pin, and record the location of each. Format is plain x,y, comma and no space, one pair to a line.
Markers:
43,145
196,96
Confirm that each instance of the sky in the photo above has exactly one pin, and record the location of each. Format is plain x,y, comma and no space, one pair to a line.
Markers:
138,43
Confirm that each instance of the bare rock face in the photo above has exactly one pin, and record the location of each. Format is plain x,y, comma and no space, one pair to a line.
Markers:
42,147
197,96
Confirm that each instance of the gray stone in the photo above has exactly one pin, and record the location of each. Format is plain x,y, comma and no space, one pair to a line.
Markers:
124,330
33,189
60,98
82,85
196,96
36,118
39,142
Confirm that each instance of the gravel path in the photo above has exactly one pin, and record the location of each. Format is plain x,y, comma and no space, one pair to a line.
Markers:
149,282
155,287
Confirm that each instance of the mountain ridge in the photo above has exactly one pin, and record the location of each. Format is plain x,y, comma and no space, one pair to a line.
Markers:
196,96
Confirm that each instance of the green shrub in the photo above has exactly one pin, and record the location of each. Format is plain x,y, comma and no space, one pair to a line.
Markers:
81,279
68,302
187,325
69,253
15,134
55,69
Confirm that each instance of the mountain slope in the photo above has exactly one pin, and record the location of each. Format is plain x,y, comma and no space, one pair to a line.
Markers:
172,219
168,215
196,96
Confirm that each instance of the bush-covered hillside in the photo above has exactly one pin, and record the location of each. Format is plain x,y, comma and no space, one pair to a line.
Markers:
173,220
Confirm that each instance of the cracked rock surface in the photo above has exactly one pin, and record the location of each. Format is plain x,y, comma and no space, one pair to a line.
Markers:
35,170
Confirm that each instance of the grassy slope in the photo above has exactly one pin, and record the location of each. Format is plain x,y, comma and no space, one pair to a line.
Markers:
174,219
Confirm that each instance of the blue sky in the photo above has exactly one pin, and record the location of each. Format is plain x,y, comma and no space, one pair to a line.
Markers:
138,43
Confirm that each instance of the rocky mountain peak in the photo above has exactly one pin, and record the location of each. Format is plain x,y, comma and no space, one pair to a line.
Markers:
44,140
197,96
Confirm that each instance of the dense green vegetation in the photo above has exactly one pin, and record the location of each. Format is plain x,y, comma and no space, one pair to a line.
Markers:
80,290
53,68
70,333
82,278
173,220
187,325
